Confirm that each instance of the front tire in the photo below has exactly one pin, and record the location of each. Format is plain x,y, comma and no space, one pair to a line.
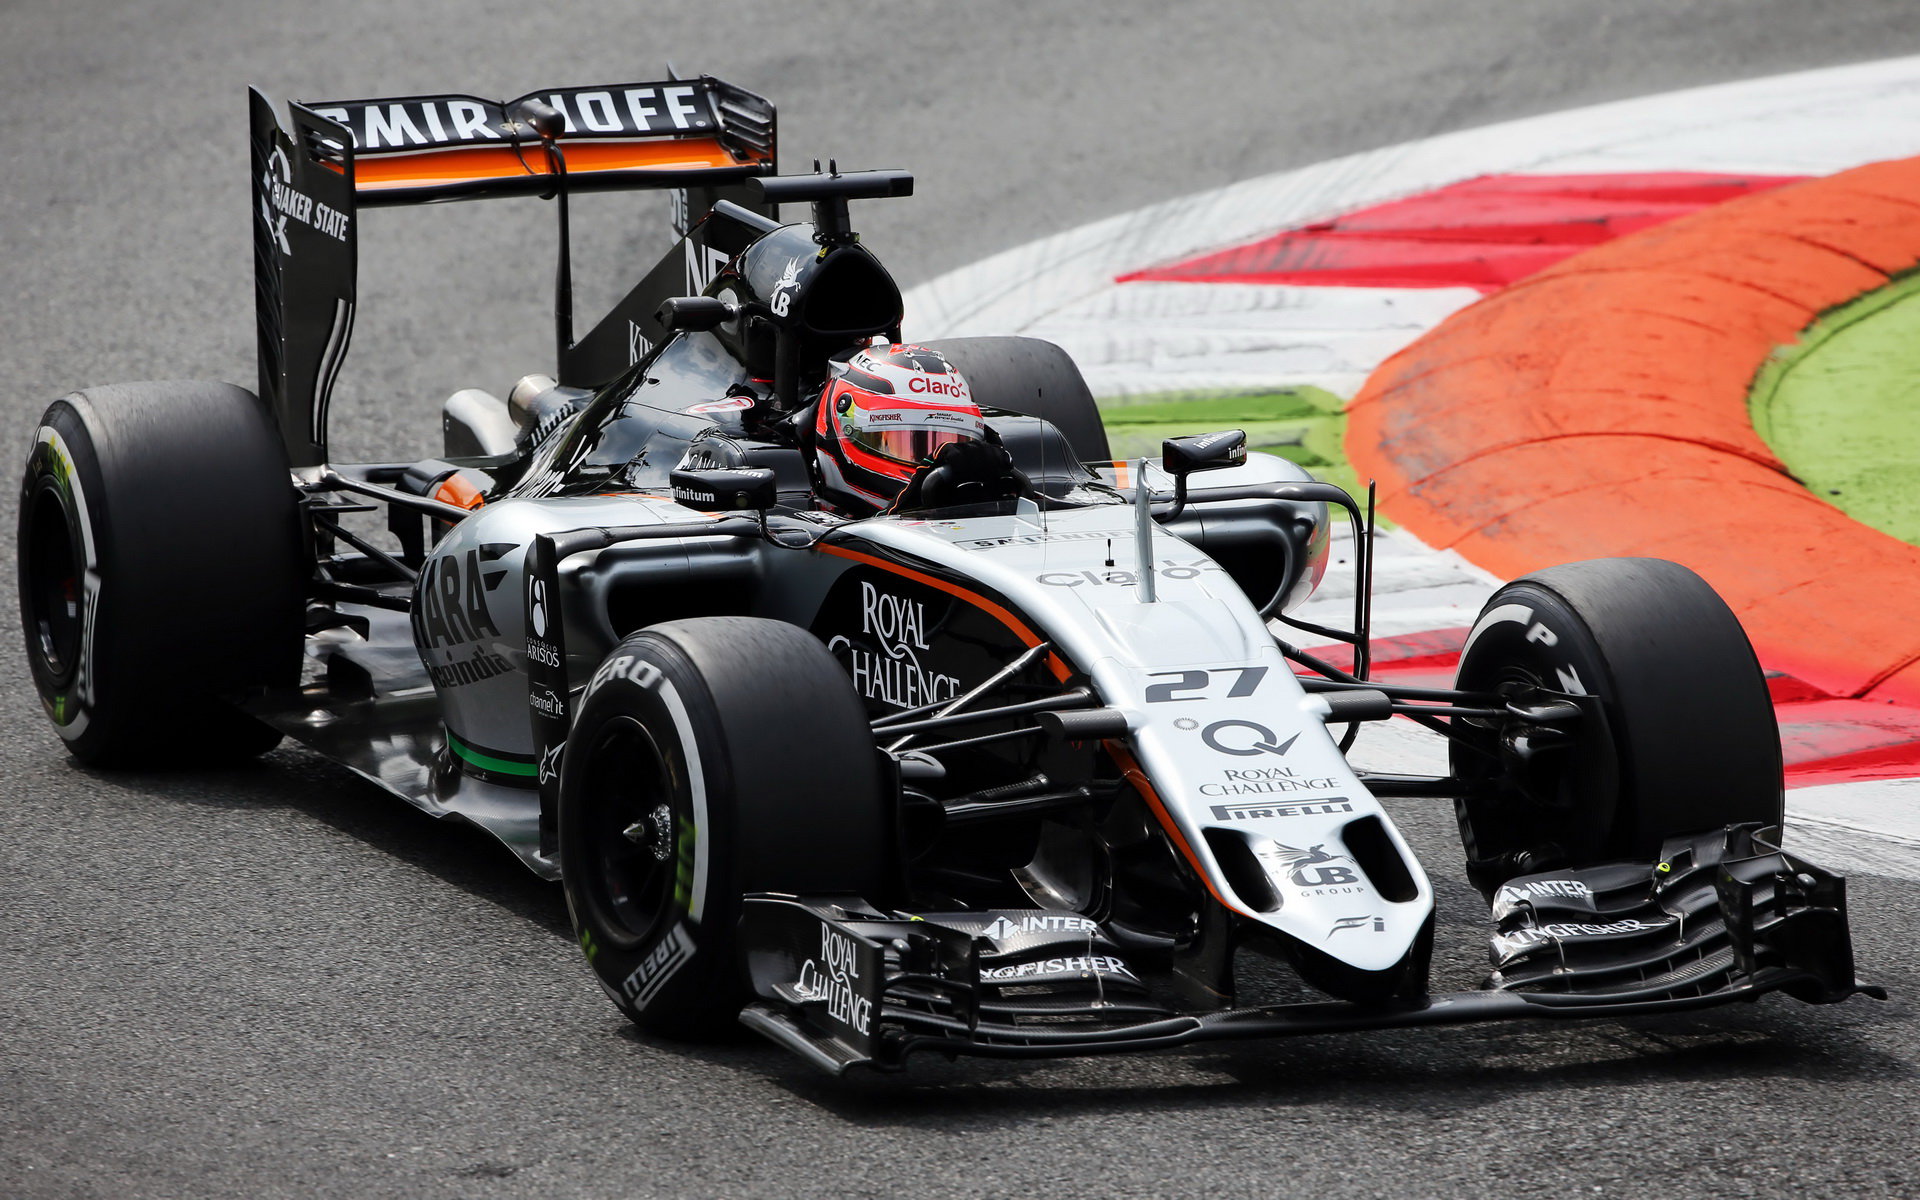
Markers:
1684,739
160,571
712,758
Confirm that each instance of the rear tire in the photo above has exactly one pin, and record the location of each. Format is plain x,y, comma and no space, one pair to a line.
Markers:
1687,740
160,570
1035,377
712,758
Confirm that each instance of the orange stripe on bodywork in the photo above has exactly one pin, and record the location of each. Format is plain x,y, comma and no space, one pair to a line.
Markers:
1129,766
373,173
1136,775
997,611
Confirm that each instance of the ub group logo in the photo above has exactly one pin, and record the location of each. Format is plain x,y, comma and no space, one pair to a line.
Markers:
1316,871
786,288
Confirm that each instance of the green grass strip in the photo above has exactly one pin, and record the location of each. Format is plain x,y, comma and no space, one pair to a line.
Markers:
1305,425
1841,407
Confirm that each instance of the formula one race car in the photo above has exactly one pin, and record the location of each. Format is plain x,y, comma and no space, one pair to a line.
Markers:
849,685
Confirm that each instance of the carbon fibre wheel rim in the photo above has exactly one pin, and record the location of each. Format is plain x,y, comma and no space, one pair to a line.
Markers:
633,826
54,617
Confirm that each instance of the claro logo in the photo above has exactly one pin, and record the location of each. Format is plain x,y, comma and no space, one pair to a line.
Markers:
930,385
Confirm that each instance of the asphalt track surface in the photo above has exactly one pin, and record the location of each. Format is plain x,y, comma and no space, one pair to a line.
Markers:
276,981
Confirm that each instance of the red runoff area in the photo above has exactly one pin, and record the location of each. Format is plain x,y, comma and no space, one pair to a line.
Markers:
1599,408
1484,233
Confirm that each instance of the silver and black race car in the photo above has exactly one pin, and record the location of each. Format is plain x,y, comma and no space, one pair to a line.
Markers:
1017,766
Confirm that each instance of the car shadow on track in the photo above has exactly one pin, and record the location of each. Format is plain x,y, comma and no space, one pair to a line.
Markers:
1777,1043
1396,1072
295,780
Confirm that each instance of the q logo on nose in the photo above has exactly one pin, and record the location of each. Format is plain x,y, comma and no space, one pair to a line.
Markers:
1239,744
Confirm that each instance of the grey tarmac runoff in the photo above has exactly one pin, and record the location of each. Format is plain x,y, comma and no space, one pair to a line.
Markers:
277,981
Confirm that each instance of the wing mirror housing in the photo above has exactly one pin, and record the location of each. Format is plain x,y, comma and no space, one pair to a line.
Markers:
698,313
725,489
1183,456
1204,452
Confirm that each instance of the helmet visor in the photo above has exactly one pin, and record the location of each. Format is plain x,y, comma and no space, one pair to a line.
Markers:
906,446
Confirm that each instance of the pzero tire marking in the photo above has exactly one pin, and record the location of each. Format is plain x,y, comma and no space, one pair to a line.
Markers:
1495,616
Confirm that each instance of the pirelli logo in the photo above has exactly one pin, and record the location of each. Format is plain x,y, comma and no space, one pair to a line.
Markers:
1253,811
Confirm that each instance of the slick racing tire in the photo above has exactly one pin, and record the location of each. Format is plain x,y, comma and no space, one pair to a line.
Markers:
1682,738
161,571
711,758
1035,377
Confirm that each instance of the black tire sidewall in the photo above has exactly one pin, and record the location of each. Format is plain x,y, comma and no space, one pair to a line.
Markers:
197,549
1687,739
764,713
659,980
1553,639
59,475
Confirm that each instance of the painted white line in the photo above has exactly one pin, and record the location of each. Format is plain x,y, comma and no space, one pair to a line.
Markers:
1869,828
1153,338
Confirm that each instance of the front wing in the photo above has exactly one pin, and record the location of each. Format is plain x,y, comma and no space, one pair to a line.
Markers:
1721,917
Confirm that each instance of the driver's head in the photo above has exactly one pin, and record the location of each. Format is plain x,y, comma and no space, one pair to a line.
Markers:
886,412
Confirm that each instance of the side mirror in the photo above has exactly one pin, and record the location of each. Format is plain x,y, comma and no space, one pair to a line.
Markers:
1204,452
716,489
546,120
698,313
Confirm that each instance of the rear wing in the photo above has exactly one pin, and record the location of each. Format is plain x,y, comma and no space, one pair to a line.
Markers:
311,177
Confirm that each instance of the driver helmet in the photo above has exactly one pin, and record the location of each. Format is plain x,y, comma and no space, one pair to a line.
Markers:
884,414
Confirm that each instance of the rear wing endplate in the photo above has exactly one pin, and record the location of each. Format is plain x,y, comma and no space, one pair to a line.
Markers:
311,177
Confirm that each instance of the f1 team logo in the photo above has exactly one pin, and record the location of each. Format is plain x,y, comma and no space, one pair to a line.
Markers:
278,174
